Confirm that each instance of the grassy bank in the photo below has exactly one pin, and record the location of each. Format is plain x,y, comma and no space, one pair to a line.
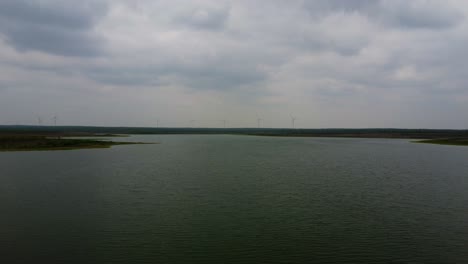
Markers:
286,132
447,141
39,142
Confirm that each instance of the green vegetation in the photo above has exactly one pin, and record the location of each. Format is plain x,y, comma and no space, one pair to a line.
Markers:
64,137
447,141
40,142
285,132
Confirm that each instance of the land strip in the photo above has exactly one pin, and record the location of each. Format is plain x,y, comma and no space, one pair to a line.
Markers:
21,142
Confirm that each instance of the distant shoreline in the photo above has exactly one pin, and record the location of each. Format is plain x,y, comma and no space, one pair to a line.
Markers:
21,142
433,136
285,132
446,141
456,141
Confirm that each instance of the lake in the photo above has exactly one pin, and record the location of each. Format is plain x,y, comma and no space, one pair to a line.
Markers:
237,199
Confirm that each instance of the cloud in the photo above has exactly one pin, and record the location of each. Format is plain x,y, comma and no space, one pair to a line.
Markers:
357,63
428,14
320,8
51,26
417,14
204,18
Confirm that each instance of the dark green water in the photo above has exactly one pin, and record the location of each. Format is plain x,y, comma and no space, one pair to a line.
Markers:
237,199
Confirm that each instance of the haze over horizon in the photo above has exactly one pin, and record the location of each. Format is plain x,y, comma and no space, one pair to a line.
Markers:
335,63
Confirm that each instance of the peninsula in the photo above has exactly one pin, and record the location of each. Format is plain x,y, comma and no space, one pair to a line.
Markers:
37,142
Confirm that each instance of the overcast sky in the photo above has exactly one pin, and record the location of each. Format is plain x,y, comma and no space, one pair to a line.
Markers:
330,63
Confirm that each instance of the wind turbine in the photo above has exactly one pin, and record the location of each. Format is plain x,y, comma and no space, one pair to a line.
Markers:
192,123
55,118
224,122
39,120
293,119
259,121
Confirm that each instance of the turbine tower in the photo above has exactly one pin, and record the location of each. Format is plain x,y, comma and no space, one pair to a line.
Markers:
39,120
293,119
55,118
259,121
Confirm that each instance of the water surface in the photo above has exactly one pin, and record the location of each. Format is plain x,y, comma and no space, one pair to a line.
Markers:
237,199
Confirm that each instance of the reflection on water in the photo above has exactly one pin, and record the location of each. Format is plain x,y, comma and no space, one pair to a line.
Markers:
237,199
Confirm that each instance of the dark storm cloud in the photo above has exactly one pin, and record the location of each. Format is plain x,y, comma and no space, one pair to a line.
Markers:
55,27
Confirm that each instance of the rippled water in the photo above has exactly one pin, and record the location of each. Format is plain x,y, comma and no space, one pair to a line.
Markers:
237,199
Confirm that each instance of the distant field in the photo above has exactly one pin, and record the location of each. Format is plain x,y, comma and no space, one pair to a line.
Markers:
447,141
285,132
39,142
55,137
